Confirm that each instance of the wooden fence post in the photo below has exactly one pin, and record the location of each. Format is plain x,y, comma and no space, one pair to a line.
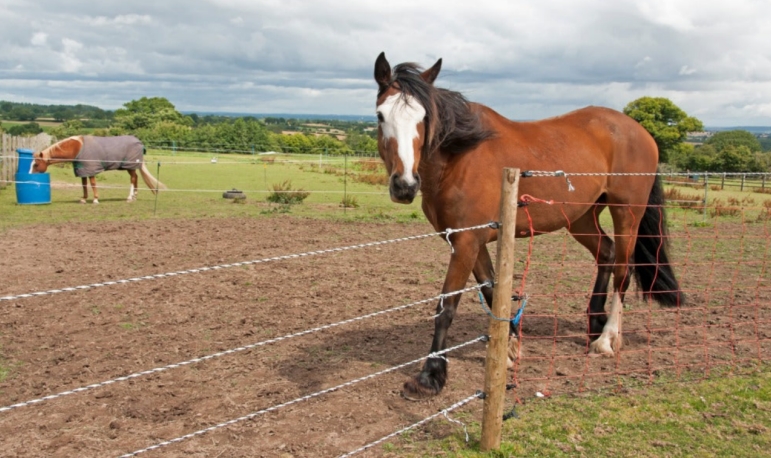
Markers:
741,188
497,348
722,182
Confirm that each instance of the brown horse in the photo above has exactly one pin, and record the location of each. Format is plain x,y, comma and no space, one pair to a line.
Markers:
91,155
454,151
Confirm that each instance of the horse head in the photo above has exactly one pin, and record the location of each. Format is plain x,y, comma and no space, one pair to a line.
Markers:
65,150
404,111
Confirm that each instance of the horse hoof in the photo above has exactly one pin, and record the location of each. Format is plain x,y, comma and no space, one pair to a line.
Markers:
601,347
96,201
413,390
82,201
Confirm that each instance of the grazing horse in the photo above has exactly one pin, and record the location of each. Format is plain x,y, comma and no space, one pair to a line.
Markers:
91,155
454,151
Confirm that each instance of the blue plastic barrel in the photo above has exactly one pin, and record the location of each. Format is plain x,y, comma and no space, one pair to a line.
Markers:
31,188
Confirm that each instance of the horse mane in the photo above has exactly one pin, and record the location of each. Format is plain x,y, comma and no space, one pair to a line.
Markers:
65,146
452,125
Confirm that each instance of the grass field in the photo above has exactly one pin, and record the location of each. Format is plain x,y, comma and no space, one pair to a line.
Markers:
196,186
723,416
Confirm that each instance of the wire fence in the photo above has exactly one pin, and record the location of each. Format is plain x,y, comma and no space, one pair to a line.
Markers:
719,253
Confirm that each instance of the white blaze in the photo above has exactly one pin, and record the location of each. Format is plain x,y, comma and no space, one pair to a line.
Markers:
401,115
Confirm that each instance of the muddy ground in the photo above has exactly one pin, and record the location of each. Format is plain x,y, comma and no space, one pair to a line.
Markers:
60,342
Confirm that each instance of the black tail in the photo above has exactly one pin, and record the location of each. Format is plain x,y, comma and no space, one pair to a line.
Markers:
653,270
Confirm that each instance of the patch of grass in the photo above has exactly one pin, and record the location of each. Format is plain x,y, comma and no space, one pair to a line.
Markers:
5,369
726,416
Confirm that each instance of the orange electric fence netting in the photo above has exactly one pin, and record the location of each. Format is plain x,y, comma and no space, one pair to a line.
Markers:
720,259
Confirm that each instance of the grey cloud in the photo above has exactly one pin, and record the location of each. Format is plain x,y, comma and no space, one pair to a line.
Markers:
525,59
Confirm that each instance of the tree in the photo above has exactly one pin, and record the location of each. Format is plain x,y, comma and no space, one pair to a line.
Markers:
22,113
665,121
722,140
68,129
29,129
147,112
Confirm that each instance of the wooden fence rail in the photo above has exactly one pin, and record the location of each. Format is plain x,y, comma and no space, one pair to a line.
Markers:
9,159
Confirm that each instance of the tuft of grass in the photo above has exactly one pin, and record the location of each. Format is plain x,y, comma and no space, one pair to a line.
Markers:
350,202
372,178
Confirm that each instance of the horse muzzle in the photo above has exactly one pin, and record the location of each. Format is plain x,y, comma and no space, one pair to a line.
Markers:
401,191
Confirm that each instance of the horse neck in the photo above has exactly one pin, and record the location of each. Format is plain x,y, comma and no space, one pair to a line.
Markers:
431,169
65,151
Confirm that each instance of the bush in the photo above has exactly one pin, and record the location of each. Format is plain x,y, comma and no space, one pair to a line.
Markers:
283,194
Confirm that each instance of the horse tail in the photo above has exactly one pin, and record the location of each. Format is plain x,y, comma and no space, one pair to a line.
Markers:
150,180
653,270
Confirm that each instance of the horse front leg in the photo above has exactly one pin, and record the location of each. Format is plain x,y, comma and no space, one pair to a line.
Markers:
84,183
432,378
93,187
485,273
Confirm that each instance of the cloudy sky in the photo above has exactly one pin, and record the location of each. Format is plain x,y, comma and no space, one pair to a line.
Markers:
526,59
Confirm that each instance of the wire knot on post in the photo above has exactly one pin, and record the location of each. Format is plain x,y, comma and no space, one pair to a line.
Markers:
449,232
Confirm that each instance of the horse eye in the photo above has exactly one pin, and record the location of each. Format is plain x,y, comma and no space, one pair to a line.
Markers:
380,117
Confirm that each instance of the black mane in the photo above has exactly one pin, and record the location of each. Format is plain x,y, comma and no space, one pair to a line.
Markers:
451,125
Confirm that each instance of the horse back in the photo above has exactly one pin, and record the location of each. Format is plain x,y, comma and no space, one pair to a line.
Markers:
590,140
108,153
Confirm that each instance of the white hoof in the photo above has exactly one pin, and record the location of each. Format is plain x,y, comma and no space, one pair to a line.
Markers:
82,201
606,345
96,201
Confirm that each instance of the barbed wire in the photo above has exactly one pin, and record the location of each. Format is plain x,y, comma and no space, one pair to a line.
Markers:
561,173
301,399
237,264
233,351
444,412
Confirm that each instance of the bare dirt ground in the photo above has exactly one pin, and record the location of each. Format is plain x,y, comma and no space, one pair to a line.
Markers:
64,341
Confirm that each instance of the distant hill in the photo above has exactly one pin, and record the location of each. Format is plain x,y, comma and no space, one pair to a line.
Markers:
752,129
331,117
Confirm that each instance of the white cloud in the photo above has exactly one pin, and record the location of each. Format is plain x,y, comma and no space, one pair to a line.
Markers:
39,39
525,59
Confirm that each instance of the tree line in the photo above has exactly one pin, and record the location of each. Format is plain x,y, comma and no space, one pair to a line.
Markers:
156,121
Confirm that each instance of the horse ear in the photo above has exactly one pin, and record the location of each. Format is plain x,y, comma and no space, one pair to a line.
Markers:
382,71
429,76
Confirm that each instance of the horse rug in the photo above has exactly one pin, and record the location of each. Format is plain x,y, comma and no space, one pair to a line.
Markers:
108,153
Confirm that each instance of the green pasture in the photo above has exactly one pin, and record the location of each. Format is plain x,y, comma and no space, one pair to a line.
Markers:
196,186
727,415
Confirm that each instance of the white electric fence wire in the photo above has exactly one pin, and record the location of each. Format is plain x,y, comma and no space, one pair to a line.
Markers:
236,264
217,191
444,412
232,351
301,399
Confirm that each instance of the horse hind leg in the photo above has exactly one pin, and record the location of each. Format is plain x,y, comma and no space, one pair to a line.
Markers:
626,221
587,231
133,186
